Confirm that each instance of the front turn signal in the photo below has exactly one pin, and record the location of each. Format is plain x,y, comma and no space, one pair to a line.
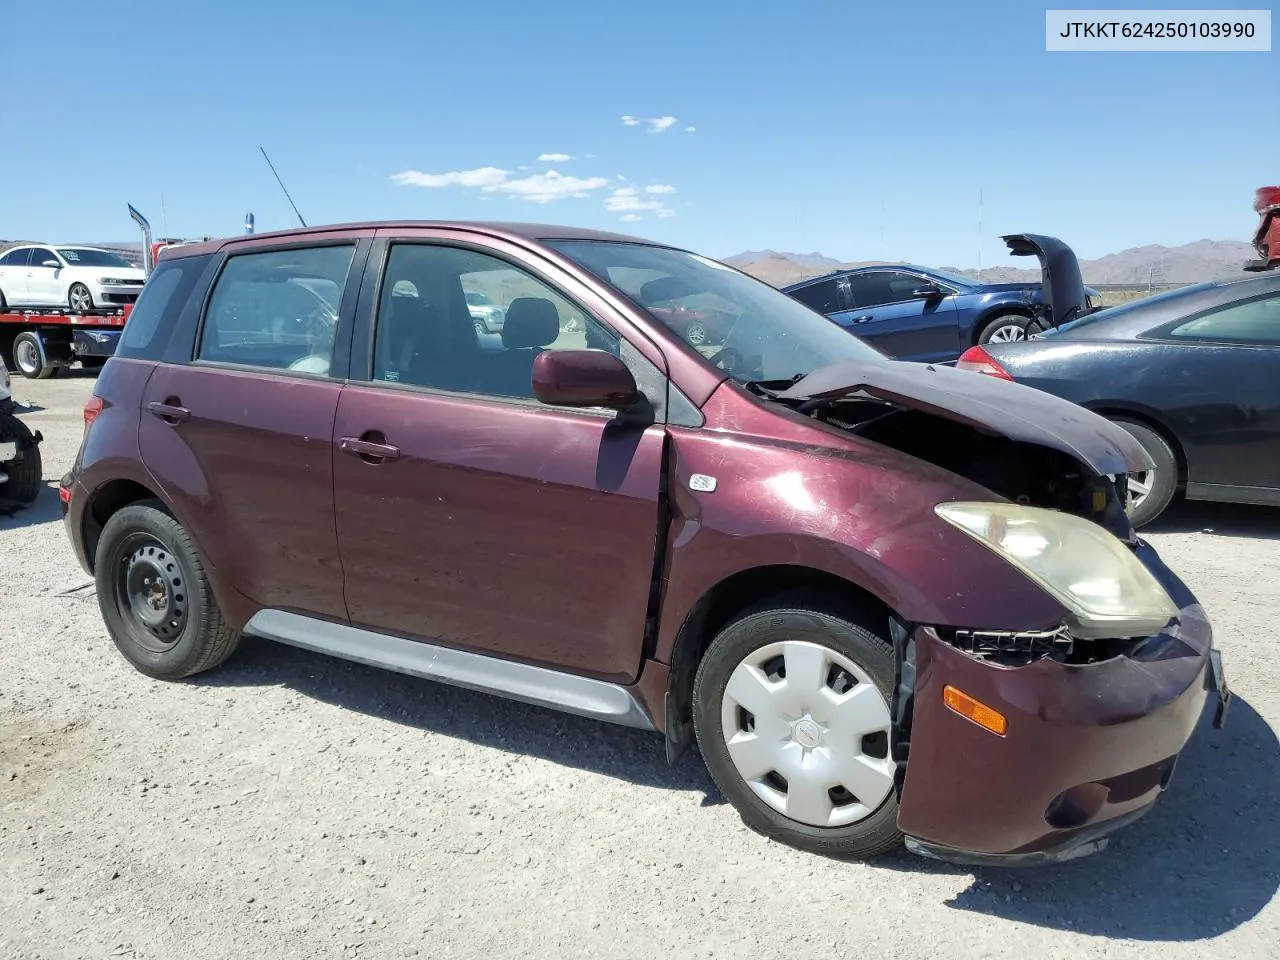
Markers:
975,710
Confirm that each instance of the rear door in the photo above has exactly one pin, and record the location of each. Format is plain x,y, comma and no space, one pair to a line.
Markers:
496,524
13,275
906,327
237,426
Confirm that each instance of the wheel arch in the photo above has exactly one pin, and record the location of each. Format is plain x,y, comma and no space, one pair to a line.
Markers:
1148,418
107,500
991,311
738,592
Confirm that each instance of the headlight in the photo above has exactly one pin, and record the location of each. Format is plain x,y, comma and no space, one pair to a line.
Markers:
1088,570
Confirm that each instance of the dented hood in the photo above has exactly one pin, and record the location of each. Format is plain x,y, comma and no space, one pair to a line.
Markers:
1001,407
1060,278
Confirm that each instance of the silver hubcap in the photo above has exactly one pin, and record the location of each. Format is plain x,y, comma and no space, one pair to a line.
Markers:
1140,486
808,731
26,356
1007,333
80,299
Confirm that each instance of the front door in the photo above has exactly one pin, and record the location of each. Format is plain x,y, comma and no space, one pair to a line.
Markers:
240,438
906,327
481,519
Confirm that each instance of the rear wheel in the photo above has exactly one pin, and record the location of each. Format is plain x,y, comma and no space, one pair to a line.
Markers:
24,474
155,598
791,711
1150,491
1005,328
29,358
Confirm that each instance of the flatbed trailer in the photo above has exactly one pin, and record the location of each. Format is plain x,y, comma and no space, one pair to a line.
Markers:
40,342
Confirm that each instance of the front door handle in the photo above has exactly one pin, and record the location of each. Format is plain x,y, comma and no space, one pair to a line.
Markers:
369,451
170,413
863,318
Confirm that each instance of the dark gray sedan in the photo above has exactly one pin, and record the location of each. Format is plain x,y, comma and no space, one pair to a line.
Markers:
1193,374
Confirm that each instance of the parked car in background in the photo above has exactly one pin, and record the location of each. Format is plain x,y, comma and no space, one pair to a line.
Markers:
80,278
486,315
1193,374
919,313
821,565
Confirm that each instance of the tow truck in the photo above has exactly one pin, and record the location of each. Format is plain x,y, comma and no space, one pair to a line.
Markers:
39,342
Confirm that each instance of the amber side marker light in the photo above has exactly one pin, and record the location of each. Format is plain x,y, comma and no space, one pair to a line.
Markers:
973,710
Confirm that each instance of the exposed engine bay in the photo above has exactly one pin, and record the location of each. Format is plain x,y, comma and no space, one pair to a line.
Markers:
1022,472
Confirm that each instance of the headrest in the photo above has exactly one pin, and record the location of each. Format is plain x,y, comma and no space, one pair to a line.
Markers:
530,322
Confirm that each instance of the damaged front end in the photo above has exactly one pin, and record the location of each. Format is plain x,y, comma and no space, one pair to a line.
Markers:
1060,735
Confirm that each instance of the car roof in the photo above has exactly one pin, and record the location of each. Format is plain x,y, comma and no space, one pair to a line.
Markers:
845,271
538,232
1138,316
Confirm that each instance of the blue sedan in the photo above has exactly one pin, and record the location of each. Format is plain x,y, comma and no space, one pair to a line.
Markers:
922,314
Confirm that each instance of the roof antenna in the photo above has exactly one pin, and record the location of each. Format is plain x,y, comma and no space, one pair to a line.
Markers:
282,186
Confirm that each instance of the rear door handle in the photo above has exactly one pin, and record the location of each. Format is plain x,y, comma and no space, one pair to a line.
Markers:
863,318
168,412
368,450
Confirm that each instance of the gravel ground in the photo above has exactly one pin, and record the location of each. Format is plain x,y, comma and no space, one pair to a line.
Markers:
290,805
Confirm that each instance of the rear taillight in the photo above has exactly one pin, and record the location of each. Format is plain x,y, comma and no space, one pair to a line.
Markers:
92,407
979,361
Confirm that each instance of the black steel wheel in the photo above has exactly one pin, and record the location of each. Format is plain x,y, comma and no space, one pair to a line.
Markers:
155,598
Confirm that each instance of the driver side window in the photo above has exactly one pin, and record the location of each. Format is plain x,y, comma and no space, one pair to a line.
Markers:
277,310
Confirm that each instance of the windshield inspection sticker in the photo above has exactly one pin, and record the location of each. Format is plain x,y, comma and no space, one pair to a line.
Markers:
702,483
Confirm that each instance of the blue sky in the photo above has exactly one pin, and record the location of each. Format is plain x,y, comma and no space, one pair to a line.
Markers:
862,130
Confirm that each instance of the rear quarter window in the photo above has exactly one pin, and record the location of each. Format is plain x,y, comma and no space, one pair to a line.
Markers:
155,315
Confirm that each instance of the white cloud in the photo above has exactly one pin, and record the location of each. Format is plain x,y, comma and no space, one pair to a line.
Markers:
545,187
690,129
660,188
554,157
656,124
627,201
480,177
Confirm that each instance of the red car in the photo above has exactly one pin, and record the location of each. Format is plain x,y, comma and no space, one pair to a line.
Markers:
1266,239
886,599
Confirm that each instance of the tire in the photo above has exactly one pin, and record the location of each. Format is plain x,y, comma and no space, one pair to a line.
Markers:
4,304
28,357
1005,328
26,471
480,327
802,629
79,298
1161,484
141,546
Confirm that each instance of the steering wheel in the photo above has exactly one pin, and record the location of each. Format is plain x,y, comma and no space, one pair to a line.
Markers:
729,360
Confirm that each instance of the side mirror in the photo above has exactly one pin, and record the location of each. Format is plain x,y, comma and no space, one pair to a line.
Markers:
926,291
51,263
583,378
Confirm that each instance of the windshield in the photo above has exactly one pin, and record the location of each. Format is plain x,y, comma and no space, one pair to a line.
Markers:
741,325
82,257
958,279
1120,309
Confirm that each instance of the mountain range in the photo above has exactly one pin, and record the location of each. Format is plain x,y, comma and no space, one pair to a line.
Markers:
1138,266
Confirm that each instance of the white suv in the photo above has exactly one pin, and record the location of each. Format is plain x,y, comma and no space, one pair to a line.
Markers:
80,278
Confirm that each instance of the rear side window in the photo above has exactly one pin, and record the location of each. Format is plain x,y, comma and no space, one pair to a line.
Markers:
278,309
155,314
823,296
1255,322
15,258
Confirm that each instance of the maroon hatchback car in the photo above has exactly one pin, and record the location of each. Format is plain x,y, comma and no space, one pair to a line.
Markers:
887,600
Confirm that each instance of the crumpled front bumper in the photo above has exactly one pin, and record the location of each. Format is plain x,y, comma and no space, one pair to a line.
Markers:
1087,749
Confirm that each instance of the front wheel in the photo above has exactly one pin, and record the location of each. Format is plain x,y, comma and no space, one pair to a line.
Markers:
79,298
155,598
791,712
1006,328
